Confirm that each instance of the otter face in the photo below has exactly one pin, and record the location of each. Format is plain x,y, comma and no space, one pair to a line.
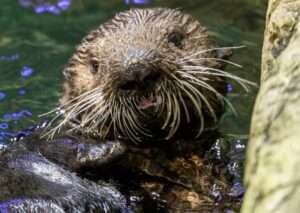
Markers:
145,71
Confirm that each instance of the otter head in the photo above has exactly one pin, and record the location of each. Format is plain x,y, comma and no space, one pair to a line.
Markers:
146,72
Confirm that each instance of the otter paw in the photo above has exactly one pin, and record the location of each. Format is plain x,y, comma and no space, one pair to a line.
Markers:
31,183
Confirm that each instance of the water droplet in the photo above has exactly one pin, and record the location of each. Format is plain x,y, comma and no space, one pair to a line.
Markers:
25,3
44,124
9,57
53,9
7,116
140,2
3,125
46,6
229,87
64,4
25,113
26,72
237,190
2,95
22,92
2,147
216,192
229,211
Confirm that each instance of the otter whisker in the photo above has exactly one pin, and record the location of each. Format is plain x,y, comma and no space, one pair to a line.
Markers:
123,119
60,113
101,118
102,123
135,104
68,102
130,129
184,86
163,102
177,108
240,81
198,107
100,106
98,114
215,59
115,114
107,130
55,110
137,125
85,98
210,108
176,118
99,110
169,111
171,122
210,50
115,117
50,134
119,124
198,37
81,104
205,86
186,111
218,72
78,108
201,83
221,97
133,117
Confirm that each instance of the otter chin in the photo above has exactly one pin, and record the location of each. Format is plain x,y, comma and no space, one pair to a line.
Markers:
146,73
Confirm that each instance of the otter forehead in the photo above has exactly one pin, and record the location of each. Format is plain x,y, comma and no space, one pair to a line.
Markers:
147,22
139,30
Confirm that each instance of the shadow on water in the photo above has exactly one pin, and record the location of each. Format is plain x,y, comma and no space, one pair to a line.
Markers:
38,37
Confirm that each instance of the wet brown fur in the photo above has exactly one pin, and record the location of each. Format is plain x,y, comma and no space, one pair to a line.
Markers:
142,35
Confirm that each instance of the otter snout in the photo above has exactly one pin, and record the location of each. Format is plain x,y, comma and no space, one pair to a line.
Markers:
139,76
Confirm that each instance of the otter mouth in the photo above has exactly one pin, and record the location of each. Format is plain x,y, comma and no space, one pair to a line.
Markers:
151,102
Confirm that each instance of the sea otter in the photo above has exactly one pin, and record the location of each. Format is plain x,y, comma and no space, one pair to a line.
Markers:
144,74
142,89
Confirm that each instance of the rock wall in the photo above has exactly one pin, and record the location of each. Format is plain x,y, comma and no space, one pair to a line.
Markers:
272,173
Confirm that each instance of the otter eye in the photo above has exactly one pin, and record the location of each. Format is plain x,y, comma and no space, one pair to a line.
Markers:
94,66
176,38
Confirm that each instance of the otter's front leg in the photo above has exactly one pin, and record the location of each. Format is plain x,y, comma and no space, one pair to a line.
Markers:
36,177
75,152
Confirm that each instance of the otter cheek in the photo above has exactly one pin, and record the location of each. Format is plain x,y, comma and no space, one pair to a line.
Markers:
84,79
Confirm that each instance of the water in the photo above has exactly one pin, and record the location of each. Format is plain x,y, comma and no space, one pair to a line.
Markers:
38,36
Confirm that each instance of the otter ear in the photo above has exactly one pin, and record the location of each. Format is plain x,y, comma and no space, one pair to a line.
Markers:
224,53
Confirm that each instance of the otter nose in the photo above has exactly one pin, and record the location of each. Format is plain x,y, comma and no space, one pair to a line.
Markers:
139,77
